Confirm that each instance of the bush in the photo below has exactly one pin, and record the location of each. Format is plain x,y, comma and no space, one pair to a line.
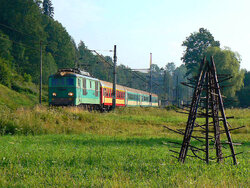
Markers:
5,73
27,77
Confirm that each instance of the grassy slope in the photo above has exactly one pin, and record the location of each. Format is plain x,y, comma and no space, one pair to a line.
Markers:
124,121
13,99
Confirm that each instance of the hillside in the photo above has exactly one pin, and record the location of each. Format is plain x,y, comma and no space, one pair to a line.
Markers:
13,99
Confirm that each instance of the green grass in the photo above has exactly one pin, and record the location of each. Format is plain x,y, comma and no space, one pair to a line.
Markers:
109,161
124,121
69,147
13,99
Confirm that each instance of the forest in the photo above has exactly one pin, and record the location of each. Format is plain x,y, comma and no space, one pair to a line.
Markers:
27,28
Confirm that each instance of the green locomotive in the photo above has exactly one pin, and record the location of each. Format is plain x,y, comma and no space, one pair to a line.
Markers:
71,87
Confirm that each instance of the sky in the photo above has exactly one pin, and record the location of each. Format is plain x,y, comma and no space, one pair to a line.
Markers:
141,27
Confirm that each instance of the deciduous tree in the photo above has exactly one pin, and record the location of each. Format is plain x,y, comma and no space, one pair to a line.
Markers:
196,45
228,62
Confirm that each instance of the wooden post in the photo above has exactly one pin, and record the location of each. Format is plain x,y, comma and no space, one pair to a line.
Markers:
207,119
222,111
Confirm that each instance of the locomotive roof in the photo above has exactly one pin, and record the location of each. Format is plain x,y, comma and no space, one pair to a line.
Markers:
72,74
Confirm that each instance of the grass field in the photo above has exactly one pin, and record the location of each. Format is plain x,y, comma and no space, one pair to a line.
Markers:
68,147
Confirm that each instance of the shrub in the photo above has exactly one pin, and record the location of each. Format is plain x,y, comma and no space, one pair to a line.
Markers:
27,77
5,73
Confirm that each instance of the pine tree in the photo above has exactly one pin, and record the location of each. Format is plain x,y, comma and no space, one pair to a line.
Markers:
48,9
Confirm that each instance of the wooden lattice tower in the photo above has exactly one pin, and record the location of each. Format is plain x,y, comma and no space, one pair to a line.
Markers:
207,102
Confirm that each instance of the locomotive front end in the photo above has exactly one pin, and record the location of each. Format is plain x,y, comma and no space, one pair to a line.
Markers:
62,90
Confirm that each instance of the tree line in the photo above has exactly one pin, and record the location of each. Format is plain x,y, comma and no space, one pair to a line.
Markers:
27,25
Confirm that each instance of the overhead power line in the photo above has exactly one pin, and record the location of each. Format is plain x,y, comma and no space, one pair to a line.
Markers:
129,70
36,40
100,56
19,43
13,29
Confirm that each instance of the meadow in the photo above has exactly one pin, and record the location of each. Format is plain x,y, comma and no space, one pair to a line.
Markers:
69,147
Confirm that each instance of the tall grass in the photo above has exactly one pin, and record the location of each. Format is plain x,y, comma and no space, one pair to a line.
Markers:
123,121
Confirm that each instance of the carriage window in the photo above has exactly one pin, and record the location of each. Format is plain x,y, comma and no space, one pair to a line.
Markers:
90,84
70,81
105,92
132,96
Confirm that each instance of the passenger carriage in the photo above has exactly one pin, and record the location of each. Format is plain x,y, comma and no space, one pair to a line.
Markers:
107,93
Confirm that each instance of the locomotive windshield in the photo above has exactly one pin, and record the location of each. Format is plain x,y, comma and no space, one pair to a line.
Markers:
62,82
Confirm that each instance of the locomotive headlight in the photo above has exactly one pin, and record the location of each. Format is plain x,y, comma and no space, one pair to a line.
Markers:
70,94
54,94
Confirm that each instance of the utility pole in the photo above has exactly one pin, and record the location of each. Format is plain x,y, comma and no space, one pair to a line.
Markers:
114,80
41,72
150,97
169,94
177,92
165,85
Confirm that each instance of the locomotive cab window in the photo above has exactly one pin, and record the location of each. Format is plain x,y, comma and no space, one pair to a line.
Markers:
57,82
70,81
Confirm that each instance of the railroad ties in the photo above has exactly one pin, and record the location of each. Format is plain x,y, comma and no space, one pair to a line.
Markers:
207,103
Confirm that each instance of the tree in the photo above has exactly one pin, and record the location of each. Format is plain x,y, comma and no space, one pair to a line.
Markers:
243,94
196,45
48,9
168,81
38,3
227,62
5,47
5,73
181,92
170,67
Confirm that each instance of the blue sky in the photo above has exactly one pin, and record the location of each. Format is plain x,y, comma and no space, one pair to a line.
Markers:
139,27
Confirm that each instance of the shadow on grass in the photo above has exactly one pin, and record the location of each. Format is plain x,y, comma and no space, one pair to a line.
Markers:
113,141
102,141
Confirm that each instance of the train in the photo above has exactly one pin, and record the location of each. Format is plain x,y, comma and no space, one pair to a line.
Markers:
74,87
